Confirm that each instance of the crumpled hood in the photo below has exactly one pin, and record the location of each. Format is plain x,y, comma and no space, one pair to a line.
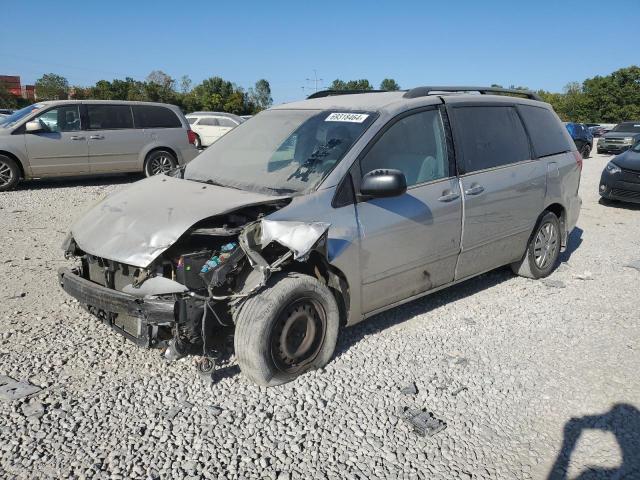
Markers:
135,225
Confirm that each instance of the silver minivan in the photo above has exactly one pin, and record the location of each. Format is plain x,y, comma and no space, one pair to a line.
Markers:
73,137
318,214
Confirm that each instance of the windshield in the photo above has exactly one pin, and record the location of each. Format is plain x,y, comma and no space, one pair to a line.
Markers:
280,151
15,117
631,127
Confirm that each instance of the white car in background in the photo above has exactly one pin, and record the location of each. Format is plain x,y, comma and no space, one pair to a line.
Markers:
210,126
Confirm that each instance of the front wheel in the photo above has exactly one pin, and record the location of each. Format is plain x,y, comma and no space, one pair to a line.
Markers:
9,173
159,161
543,249
288,328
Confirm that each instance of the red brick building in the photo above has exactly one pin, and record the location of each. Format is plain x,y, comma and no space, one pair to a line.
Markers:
12,83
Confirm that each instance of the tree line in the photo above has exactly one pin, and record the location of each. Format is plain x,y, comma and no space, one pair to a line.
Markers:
608,99
213,94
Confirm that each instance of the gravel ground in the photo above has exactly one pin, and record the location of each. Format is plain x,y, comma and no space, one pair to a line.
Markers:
519,370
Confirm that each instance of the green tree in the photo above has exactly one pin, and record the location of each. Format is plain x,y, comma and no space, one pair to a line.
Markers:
185,84
389,84
361,84
52,87
259,97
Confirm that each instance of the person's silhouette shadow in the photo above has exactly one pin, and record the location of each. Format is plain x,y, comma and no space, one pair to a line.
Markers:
623,420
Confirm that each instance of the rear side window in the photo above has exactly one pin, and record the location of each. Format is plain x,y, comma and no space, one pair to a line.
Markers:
192,120
225,122
490,137
545,131
109,117
209,122
152,116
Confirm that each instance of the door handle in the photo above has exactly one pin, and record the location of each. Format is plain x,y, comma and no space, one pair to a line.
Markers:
474,190
448,196
96,137
76,137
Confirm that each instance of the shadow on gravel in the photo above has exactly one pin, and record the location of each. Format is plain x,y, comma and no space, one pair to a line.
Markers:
67,182
619,205
351,336
623,420
573,243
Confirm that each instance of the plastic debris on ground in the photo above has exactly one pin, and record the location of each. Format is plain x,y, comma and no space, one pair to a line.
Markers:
410,389
11,389
423,422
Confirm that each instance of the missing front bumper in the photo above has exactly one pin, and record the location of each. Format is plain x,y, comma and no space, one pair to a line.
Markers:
136,318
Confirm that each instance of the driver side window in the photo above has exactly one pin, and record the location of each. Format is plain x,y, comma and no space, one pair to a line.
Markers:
61,119
415,145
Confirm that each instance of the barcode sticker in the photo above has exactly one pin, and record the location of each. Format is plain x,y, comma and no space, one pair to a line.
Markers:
346,117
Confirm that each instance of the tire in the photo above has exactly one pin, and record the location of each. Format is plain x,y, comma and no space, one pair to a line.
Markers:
198,142
534,264
585,151
9,173
293,305
159,161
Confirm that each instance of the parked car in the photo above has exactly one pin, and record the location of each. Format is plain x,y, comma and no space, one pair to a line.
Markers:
6,111
621,138
321,213
582,137
210,126
246,117
597,131
620,179
70,137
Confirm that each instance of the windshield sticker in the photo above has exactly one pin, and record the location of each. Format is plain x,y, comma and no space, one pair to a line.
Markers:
347,117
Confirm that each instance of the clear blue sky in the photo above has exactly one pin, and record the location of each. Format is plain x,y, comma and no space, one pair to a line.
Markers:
543,44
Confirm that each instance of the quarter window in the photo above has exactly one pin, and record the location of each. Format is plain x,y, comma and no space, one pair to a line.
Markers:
192,120
109,117
415,145
61,119
546,132
153,116
226,122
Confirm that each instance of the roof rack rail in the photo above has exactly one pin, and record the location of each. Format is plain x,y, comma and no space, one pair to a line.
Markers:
424,91
331,93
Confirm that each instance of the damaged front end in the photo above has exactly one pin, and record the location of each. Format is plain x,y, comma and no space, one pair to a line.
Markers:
187,297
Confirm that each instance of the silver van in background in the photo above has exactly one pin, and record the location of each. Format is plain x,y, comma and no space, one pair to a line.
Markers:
73,137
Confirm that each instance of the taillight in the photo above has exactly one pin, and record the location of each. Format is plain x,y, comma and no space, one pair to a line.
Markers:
192,137
578,158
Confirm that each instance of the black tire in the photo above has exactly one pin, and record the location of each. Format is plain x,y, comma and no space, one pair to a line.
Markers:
269,326
159,161
534,264
585,151
198,142
9,173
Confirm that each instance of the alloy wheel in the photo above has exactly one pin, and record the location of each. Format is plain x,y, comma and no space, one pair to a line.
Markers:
546,245
6,174
160,164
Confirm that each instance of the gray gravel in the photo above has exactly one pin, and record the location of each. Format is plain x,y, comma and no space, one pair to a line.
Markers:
505,362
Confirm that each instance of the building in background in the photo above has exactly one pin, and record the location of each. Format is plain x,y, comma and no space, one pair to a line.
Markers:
13,84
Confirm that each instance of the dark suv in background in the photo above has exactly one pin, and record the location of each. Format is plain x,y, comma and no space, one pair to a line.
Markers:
582,137
621,138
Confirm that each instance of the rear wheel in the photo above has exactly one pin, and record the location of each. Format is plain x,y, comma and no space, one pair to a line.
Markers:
9,173
543,249
159,161
198,142
585,151
288,328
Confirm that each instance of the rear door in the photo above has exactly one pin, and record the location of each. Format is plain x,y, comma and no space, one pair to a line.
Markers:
61,146
502,185
114,144
409,244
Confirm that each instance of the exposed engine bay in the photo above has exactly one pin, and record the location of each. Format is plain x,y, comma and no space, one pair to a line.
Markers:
184,301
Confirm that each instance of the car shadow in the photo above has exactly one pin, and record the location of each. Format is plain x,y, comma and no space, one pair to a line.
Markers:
352,335
619,205
573,243
623,421
70,182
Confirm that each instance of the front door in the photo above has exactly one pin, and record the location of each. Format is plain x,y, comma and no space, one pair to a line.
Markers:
503,187
114,145
61,147
409,244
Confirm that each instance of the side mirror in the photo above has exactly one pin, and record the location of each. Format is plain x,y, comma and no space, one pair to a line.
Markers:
33,126
383,183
